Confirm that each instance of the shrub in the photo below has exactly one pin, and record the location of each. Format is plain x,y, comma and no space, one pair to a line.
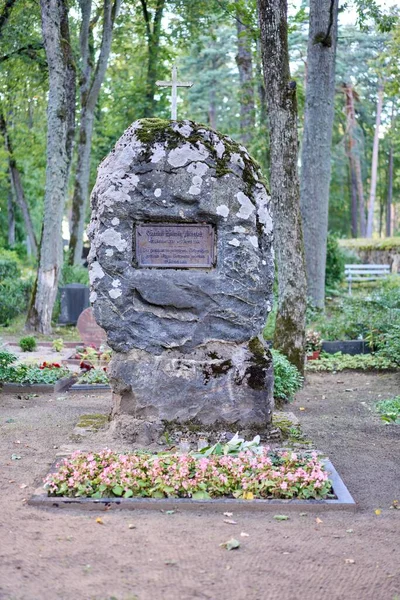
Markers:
389,410
359,362
6,360
73,274
14,291
29,374
335,261
28,343
287,379
94,376
58,345
9,265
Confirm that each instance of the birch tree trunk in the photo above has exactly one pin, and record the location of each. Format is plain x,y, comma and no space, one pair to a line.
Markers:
374,165
90,84
284,181
244,61
60,130
16,184
317,141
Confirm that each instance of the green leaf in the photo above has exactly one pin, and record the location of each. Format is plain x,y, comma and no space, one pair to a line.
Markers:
118,490
201,495
128,494
281,517
231,544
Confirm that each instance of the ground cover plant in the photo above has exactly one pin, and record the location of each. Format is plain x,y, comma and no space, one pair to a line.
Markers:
255,472
389,410
287,379
29,374
361,362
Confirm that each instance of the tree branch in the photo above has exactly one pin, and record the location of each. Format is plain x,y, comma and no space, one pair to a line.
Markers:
5,13
146,20
30,51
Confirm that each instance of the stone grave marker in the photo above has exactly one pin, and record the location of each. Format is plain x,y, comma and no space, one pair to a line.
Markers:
181,269
89,331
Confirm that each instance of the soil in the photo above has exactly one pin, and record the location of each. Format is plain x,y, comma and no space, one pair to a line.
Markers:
50,554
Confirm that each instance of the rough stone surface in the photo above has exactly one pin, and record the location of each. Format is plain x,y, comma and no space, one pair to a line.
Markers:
183,336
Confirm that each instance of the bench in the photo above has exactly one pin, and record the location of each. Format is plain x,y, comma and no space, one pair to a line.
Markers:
365,273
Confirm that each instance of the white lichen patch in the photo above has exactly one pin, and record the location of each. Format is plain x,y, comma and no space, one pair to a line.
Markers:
197,180
239,229
198,168
262,201
223,210
116,283
246,206
185,129
93,297
115,221
235,242
109,252
264,262
219,149
95,272
158,151
115,293
178,157
157,192
236,159
194,190
253,240
110,237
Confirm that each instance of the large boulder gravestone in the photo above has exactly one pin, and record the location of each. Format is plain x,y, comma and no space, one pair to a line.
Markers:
181,269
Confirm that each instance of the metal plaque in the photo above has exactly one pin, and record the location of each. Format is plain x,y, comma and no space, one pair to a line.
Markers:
174,245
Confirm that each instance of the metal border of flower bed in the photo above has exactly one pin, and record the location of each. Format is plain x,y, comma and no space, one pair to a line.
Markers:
49,387
343,500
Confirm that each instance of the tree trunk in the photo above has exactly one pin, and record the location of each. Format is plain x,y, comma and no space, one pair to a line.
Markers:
354,212
10,218
90,85
285,192
244,61
17,187
374,166
353,154
153,32
317,141
60,120
389,192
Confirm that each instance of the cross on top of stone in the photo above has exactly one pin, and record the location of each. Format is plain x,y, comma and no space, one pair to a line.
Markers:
174,84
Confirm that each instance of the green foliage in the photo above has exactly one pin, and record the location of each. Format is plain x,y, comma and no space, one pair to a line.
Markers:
389,410
335,261
9,264
73,274
94,376
28,343
58,345
6,360
14,290
359,362
30,374
390,243
388,344
287,379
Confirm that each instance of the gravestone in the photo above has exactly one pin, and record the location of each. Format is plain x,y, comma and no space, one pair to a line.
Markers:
74,298
181,269
90,333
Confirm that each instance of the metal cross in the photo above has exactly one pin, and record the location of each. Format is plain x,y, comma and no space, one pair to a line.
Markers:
174,84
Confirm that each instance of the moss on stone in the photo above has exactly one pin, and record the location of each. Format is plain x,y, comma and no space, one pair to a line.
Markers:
93,422
261,359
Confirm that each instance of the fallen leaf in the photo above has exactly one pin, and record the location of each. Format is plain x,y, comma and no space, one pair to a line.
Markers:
15,457
100,521
230,521
395,504
23,486
231,544
302,408
248,496
281,517
244,534
169,512
349,530
131,526
378,511
349,561
17,442
228,514
170,563
318,520
303,514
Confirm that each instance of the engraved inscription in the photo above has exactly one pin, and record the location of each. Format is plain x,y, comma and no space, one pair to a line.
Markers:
174,245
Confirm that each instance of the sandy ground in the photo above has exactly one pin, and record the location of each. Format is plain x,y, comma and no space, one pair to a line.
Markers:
48,555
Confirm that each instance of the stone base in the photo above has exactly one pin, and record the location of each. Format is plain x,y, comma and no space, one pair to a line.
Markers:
224,385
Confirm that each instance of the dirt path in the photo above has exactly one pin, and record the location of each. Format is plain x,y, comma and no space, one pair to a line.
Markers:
47,555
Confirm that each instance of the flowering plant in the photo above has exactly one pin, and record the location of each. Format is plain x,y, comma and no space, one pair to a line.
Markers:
46,365
246,475
313,341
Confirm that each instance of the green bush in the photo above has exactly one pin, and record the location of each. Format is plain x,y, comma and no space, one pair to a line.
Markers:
335,261
9,265
389,410
6,360
73,274
287,379
14,298
28,343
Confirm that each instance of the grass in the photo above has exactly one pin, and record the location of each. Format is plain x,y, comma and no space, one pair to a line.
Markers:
15,329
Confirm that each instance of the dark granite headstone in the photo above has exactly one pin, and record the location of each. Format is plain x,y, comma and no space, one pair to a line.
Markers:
74,298
181,268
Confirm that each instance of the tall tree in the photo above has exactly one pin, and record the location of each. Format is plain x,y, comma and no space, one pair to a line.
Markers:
17,187
60,132
91,78
244,61
317,140
153,37
284,181
374,165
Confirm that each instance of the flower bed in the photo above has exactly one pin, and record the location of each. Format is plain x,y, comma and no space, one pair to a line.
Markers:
247,474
